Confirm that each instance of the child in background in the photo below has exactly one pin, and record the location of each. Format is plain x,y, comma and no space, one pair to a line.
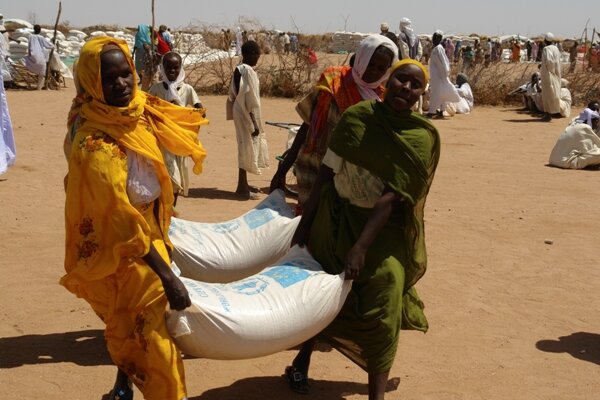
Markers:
173,89
243,106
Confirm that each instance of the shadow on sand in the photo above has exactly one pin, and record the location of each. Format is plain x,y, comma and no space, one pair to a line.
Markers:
261,388
584,346
82,348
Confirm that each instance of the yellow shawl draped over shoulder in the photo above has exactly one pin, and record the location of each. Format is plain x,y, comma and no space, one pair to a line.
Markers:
103,230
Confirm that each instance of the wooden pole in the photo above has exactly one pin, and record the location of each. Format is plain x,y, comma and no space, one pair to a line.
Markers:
152,38
52,50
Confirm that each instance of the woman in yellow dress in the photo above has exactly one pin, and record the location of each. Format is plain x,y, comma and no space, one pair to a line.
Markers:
118,208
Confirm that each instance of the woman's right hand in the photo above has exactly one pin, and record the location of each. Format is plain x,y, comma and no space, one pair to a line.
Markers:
176,292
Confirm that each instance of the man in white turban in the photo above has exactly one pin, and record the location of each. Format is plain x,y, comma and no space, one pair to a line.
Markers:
551,78
408,42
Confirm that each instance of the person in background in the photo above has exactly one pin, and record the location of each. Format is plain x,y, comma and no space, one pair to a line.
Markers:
163,44
409,43
516,51
385,31
466,102
565,98
338,88
239,41
365,218
37,55
551,78
245,108
173,89
293,43
118,209
8,151
573,56
441,89
450,48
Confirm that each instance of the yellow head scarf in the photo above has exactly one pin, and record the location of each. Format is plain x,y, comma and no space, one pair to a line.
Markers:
406,61
175,128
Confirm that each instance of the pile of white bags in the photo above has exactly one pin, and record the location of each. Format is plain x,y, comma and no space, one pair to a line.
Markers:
346,41
279,308
228,251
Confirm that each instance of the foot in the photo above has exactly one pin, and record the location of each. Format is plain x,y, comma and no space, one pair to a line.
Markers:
297,380
254,189
247,195
121,393
546,118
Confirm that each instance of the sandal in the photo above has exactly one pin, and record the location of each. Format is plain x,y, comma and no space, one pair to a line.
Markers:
125,393
297,380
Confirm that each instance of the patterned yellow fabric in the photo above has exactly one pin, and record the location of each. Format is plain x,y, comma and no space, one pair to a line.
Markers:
106,236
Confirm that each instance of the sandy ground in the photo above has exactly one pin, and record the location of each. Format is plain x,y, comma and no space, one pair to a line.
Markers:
510,315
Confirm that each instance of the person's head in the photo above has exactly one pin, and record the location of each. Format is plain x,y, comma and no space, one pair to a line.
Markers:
384,27
105,71
407,82
535,77
162,28
37,29
548,38
375,55
437,37
405,24
250,53
171,63
461,79
594,105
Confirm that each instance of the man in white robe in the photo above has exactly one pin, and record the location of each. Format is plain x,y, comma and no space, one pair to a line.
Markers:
7,139
551,78
37,55
245,108
441,89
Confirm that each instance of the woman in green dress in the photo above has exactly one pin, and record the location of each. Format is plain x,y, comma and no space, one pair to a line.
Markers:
364,217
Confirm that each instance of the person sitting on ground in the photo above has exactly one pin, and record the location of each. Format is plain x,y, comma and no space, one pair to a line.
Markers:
245,110
565,98
118,208
173,89
364,217
338,88
37,55
531,96
466,102
578,146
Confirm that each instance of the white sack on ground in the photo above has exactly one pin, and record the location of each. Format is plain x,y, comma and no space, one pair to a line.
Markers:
277,309
228,251
577,147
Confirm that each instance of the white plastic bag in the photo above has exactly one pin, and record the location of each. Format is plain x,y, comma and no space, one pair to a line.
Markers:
228,251
279,308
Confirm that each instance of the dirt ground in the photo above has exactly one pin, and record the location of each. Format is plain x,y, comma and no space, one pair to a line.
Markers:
512,260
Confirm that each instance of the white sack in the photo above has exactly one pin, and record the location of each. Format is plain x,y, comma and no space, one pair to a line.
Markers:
277,309
228,251
577,147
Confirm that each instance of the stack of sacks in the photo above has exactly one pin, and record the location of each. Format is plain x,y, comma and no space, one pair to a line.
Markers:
194,49
346,41
15,23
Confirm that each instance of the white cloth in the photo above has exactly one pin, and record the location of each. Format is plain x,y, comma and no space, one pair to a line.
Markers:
577,147
4,53
565,102
362,58
142,182
442,90
172,94
252,150
406,27
586,116
37,54
466,102
7,139
551,79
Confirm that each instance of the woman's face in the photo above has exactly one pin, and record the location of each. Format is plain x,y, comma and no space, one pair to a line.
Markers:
117,78
172,66
378,65
404,87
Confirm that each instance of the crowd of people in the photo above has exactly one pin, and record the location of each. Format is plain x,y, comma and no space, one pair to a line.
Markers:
365,157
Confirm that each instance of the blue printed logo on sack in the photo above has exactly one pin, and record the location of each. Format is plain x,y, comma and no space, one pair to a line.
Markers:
287,274
257,218
250,286
225,227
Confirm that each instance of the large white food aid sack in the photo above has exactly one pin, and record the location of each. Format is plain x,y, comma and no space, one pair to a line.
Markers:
228,251
277,309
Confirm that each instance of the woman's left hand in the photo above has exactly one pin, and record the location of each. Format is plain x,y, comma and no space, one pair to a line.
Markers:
176,292
355,262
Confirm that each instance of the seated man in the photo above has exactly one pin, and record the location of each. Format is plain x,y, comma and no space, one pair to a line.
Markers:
565,98
465,104
578,146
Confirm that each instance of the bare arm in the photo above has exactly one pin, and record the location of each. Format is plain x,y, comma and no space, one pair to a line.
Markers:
355,259
175,291
278,180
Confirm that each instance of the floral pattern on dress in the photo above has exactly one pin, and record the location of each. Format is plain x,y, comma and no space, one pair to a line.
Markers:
105,143
88,246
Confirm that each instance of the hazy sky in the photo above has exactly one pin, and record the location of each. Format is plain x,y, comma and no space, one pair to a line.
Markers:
525,17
